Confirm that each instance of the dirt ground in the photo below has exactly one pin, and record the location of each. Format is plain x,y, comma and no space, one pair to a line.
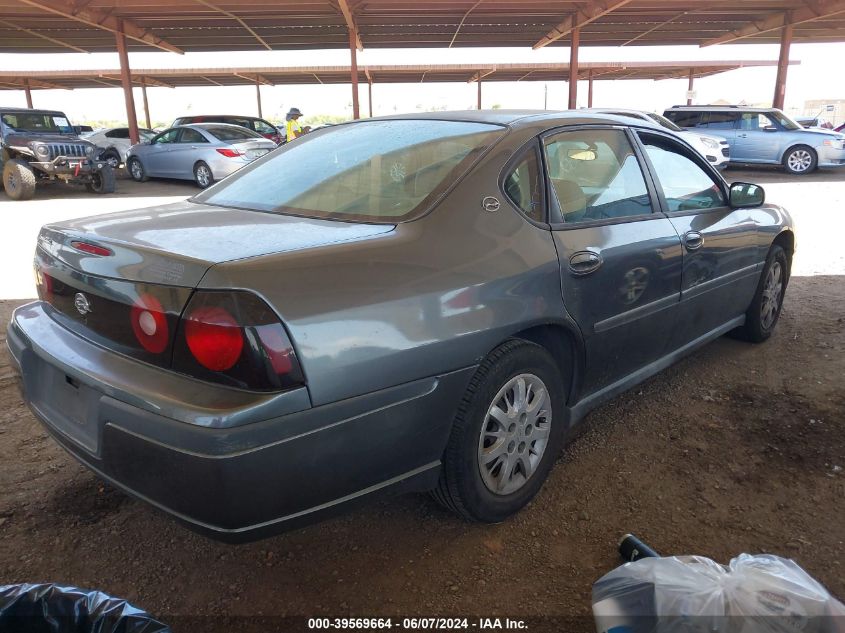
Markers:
738,448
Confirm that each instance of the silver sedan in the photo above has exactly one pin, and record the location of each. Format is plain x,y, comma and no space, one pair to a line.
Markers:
202,152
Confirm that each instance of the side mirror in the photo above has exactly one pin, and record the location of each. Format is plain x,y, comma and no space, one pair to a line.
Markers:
745,195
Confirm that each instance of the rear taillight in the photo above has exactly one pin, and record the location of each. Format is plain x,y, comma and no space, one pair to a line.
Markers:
235,339
149,324
229,152
91,249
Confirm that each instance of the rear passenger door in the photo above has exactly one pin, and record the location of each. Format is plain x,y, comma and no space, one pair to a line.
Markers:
620,256
720,267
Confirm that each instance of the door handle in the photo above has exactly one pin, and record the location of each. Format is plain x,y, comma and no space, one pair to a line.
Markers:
742,135
584,262
693,240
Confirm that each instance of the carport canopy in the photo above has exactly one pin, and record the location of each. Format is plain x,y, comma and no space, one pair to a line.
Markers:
228,25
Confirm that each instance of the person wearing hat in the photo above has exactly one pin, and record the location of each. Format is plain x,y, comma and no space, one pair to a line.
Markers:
292,126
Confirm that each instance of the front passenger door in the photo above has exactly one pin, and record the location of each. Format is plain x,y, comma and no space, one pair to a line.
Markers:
720,243
620,257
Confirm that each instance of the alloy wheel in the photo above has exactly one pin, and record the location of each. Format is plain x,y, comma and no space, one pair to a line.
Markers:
514,434
113,162
800,160
203,176
772,291
137,170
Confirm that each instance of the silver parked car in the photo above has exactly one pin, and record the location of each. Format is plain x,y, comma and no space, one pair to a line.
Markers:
415,303
202,152
114,143
765,136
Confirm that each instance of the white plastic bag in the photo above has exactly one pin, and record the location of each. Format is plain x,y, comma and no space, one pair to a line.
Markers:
763,593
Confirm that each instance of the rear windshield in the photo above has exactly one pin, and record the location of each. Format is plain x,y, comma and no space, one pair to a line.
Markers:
54,122
371,171
232,133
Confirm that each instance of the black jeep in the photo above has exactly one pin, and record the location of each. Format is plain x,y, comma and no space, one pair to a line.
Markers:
40,146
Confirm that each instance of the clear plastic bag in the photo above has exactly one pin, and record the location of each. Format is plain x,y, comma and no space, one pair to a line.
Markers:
762,593
49,608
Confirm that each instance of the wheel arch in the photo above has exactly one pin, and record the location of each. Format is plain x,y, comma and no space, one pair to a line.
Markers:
565,346
786,240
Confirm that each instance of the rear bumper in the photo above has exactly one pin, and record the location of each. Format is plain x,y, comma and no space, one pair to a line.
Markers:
261,476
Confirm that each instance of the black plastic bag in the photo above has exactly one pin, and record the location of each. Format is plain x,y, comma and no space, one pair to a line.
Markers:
50,608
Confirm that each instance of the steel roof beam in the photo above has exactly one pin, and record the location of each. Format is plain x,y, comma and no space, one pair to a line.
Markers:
238,20
350,22
589,13
104,20
808,13
43,37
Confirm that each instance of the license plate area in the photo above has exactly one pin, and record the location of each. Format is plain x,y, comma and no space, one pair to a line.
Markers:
69,406
255,153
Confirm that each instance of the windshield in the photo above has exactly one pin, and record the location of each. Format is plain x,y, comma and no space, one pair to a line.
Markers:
371,171
785,121
662,120
145,135
233,133
52,122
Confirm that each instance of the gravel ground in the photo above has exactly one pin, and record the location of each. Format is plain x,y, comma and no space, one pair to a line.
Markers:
738,448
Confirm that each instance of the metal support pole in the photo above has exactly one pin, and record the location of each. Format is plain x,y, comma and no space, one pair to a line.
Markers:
479,93
573,67
690,85
258,98
126,82
783,64
28,93
590,90
146,104
353,52
370,97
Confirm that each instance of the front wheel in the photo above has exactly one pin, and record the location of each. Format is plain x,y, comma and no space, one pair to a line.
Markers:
506,434
764,312
112,158
136,170
202,175
800,160
18,180
102,181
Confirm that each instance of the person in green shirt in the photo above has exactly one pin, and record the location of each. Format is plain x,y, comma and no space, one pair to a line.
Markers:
292,127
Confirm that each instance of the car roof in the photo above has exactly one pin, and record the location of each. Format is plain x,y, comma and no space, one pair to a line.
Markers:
722,108
30,110
208,116
207,124
522,118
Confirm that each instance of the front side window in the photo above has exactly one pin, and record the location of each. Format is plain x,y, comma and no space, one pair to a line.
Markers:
169,136
686,186
755,121
595,176
524,186
369,171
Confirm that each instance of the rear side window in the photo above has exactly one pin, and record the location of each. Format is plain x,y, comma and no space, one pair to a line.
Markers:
121,132
524,186
192,136
595,176
369,171
720,120
685,184
684,118
232,133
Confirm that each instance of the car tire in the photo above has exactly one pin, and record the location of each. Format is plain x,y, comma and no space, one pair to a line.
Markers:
763,313
473,481
203,176
18,179
136,170
800,160
112,158
102,181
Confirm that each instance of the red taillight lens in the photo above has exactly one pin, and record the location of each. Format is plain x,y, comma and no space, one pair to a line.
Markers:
235,339
214,338
149,324
229,153
91,249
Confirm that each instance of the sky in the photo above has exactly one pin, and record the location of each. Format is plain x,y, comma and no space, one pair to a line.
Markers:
812,79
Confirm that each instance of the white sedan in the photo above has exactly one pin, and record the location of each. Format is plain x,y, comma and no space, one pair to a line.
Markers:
114,142
714,148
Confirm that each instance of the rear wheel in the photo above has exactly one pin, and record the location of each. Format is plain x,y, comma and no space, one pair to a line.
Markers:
506,435
102,181
18,180
202,175
800,160
136,170
764,312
